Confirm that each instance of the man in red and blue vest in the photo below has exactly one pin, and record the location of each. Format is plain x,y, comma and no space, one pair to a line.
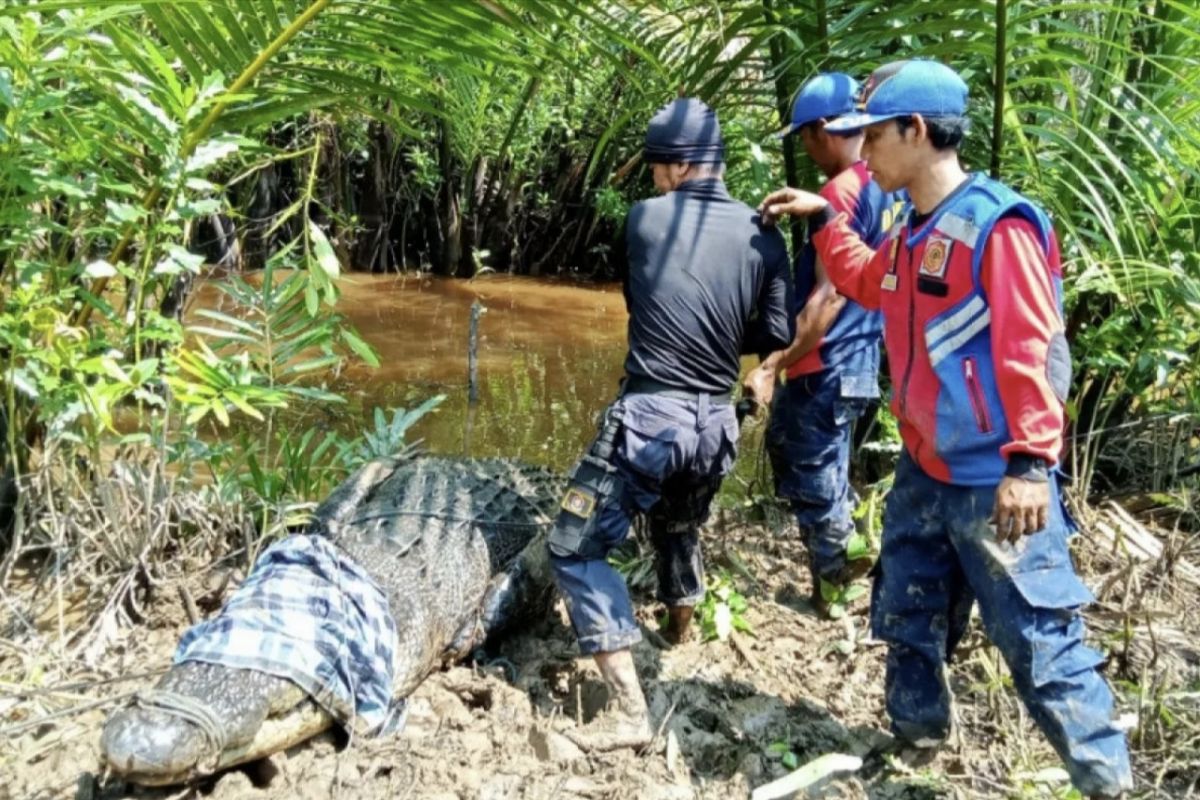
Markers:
833,363
970,285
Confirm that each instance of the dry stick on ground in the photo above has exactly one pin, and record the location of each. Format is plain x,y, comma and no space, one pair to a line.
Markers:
77,685
21,727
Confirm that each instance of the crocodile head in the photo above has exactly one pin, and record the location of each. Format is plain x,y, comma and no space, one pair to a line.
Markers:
141,743
154,742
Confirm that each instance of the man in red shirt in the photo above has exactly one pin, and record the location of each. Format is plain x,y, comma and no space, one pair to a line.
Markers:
969,282
833,363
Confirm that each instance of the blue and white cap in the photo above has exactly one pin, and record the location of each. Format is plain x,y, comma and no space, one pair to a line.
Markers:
828,95
903,88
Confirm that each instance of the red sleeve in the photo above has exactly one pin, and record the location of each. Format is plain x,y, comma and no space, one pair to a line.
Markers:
853,267
1019,281
843,190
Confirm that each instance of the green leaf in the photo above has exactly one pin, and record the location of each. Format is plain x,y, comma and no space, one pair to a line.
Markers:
21,380
6,92
178,260
54,185
124,212
722,621
312,303
858,547
212,152
853,592
230,320
149,107
196,414
829,591
244,407
360,347
312,364
200,207
323,251
100,269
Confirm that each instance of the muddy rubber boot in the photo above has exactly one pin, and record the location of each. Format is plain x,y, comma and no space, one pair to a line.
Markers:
625,722
679,625
817,597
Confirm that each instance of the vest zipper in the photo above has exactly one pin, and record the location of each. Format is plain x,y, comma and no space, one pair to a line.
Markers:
975,393
912,312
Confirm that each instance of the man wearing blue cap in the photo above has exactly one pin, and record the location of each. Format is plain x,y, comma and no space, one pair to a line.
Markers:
833,362
969,281
705,282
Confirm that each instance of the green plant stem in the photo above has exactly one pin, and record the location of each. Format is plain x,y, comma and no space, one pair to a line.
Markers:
999,84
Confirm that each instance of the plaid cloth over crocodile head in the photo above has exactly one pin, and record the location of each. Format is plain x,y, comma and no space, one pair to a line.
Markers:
309,614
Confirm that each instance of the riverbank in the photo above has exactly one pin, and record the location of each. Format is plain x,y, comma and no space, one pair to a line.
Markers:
732,715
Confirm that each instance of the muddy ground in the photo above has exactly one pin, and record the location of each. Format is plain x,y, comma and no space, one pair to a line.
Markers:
732,715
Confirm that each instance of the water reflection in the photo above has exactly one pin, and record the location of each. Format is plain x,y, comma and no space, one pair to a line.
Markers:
550,358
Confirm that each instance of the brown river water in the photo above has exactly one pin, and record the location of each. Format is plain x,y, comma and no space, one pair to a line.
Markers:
550,356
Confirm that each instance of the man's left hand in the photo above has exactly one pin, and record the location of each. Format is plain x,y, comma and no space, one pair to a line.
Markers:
759,385
1022,508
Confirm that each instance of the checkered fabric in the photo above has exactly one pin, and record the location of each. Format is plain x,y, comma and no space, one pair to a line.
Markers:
309,614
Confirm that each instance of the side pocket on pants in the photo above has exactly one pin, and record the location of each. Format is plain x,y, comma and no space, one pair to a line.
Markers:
1055,587
647,442
1055,653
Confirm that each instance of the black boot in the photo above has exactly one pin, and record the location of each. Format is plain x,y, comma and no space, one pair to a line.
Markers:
679,624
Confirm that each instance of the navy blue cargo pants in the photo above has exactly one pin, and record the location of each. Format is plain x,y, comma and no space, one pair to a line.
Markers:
939,554
671,455
808,442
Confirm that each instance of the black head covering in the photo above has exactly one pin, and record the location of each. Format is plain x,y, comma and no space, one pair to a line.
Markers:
684,131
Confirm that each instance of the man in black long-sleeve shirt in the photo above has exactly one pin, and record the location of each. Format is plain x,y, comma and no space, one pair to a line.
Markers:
705,283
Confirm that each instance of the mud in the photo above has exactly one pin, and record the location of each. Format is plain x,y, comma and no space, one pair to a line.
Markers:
731,715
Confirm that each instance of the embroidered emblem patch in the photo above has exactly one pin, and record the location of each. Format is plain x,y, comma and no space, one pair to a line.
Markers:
889,280
579,503
936,258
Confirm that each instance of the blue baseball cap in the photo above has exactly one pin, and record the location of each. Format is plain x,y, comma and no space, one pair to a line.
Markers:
826,96
903,88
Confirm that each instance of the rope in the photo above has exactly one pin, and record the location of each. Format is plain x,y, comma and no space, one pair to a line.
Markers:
186,708
446,518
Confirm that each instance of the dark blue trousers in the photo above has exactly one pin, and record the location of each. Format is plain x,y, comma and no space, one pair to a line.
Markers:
808,442
939,555
671,457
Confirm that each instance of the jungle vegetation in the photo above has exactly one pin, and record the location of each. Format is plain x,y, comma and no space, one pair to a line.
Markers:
144,145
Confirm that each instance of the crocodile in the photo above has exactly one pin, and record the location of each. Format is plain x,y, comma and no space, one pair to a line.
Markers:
457,546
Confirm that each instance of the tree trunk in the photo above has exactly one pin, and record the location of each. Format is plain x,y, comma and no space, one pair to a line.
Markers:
371,249
449,257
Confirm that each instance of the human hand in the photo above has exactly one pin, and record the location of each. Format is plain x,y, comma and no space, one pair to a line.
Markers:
793,202
759,385
1022,508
